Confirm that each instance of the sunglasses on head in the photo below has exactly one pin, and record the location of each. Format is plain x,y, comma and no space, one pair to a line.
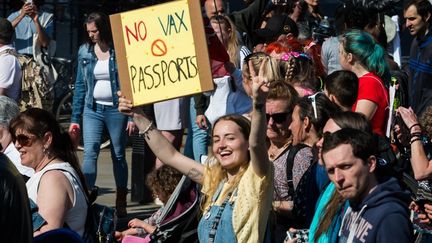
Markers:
313,101
23,140
278,117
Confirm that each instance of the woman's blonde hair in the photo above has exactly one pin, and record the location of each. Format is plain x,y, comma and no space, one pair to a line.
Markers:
233,45
271,71
215,173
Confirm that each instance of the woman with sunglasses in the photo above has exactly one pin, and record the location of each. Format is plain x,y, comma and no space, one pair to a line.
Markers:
308,119
237,179
58,186
359,53
280,103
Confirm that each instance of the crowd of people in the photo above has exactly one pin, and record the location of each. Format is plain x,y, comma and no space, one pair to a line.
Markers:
311,138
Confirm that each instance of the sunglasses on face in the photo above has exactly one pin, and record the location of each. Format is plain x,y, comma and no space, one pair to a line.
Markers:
278,117
23,140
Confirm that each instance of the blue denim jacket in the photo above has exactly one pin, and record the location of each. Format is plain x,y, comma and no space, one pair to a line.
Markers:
85,81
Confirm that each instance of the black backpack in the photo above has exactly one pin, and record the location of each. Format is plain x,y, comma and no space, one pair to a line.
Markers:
100,223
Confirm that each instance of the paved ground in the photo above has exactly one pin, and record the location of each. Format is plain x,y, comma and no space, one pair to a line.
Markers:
105,182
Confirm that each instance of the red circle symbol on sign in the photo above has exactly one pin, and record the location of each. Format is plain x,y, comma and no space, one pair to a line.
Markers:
158,48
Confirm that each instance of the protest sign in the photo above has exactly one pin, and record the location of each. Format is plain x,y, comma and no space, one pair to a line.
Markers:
161,51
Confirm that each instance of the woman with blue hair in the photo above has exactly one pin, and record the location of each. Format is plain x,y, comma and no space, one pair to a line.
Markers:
359,53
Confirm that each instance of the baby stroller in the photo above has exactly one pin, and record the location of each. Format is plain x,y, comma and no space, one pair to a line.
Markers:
178,221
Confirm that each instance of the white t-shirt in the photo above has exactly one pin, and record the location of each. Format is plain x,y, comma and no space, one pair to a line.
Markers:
102,92
12,153
10,74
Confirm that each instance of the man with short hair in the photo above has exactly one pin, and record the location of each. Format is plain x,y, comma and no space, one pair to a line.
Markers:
417,14
378,206
10,69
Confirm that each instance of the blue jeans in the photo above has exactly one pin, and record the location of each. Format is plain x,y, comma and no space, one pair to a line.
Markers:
197,139
93,127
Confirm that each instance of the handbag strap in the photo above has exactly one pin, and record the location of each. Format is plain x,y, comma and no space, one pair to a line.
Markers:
294,149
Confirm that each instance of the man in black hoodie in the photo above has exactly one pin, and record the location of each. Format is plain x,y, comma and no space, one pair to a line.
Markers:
378,206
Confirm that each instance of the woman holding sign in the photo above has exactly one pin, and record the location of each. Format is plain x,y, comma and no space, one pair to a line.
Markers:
95,100
237,180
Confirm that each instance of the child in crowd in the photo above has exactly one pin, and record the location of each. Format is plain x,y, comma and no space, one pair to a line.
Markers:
341,87
163,182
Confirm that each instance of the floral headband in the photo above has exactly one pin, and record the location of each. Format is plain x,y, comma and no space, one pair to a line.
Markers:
288,55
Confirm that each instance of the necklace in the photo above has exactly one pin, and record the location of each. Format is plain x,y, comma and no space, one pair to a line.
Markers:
274,153
49,162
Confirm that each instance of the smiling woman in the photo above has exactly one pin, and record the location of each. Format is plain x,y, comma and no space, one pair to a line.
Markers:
58,186
236,181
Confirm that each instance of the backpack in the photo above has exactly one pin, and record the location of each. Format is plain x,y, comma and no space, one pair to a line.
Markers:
100,224
36,88
101,221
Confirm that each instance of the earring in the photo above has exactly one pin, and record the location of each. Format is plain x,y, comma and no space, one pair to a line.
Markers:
47,152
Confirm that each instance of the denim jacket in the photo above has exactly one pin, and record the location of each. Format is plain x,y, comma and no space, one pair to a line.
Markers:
85,81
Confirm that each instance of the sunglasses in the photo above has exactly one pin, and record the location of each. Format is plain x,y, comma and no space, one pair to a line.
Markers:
23,140
278,117
313,101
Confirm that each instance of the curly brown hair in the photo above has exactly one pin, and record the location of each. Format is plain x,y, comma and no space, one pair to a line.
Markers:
163,182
